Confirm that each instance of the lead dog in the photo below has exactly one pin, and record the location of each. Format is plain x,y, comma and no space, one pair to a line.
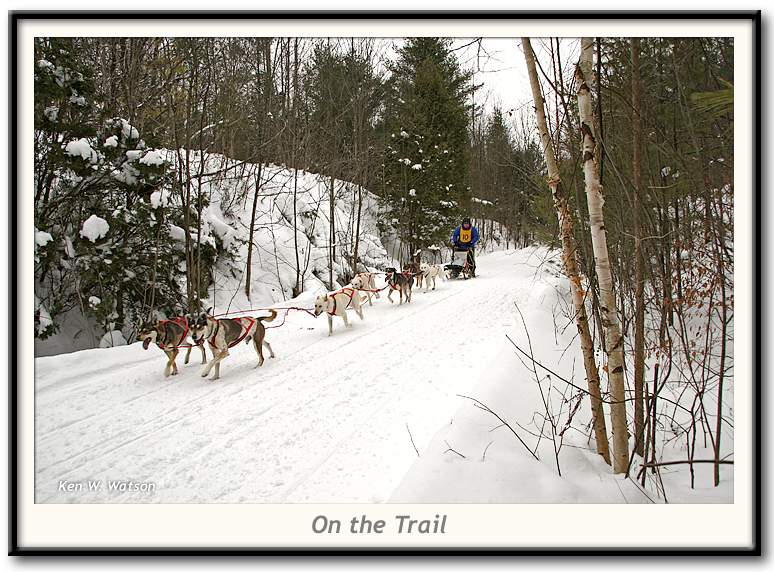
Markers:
169,335
429,273
225,333
365,281
402,282
336,304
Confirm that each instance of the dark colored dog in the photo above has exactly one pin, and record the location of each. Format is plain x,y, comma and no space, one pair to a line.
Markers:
225,333
402,282
169,335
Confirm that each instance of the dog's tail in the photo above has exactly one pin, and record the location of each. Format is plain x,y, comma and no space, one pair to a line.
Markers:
270,318
273,314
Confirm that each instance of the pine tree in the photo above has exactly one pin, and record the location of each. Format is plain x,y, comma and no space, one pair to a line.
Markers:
106,238
425,178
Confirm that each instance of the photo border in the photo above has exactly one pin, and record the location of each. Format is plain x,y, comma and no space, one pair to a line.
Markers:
16,17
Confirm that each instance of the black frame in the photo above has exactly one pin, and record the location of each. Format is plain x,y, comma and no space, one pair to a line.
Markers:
14,549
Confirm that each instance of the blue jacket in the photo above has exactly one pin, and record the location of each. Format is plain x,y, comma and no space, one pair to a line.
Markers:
455,238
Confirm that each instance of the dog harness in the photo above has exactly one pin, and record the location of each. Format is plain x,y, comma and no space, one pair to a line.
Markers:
348,291
406,274
211,337
180,321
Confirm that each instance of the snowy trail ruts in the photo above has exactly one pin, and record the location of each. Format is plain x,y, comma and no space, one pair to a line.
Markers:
328,420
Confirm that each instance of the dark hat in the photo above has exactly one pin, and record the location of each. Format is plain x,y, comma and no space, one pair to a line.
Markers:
466,220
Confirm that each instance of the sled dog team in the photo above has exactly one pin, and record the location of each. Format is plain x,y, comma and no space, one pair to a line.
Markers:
225,333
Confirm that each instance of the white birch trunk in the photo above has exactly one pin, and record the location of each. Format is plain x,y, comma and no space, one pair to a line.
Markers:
595,200
569,258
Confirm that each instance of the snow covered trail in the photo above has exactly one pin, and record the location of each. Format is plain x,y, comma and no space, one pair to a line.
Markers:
331,419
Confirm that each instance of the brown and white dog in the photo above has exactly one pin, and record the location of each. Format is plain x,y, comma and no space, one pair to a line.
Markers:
415,270
336,304
225,333
169,336
365,281
430,273
402,282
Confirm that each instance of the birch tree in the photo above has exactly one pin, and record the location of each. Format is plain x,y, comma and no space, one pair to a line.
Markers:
595,201
569,258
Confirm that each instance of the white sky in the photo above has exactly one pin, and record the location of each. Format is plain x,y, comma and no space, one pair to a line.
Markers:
499,65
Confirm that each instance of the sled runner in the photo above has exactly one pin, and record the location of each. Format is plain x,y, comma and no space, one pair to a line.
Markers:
459,265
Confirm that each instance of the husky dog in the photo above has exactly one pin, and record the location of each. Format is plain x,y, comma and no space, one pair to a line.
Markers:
428,273
225,333
365,281
402,282
336,304
169,335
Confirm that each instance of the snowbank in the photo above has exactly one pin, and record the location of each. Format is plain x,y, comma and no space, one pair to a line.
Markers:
112,339
477,457
292,208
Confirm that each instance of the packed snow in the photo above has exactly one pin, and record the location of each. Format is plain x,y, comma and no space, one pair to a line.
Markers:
391,410
373,413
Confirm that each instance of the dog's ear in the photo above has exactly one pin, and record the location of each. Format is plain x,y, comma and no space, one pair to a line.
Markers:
209,311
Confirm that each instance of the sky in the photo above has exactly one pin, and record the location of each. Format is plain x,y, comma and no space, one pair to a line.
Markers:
498,64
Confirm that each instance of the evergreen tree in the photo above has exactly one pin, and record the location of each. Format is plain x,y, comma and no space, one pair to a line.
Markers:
425,178
106,242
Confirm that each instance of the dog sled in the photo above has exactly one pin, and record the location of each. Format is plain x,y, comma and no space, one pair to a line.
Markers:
460,264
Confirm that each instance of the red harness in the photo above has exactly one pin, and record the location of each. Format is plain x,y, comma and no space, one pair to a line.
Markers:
406,273
348,291
212,336
180,321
